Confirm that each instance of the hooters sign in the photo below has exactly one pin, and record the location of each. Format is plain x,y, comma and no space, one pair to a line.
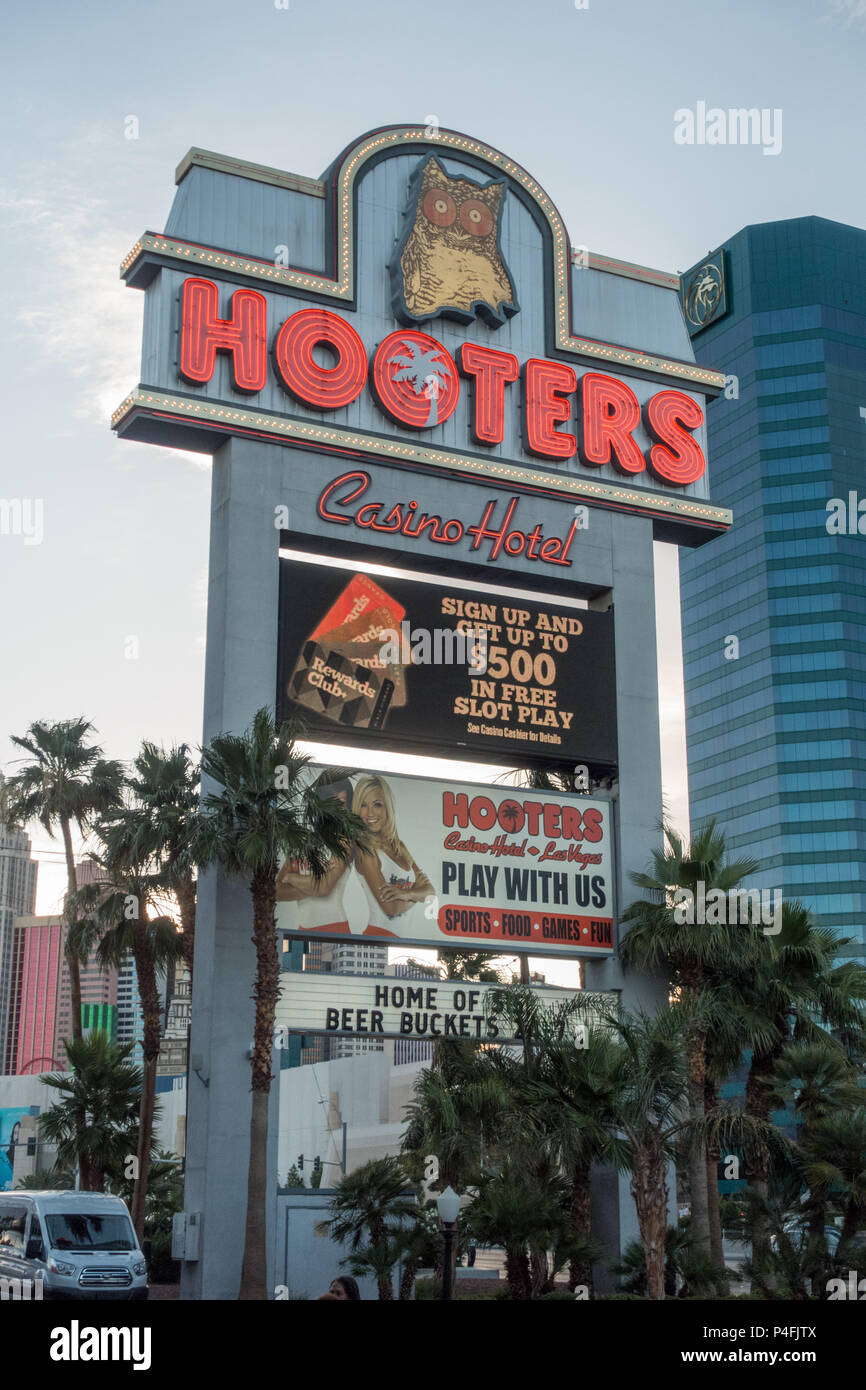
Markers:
416,383
420,306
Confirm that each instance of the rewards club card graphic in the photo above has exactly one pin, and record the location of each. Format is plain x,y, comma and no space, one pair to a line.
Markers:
340,674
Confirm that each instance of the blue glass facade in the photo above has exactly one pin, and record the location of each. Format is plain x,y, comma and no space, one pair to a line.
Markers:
776,720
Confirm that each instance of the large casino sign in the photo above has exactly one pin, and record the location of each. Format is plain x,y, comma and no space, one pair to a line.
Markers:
438,333
416,383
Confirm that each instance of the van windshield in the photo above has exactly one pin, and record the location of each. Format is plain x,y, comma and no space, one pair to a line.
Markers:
80,1232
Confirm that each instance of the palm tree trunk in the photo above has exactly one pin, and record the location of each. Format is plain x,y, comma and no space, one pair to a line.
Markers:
699,1226
149,996
717,1253
379,1244
757,1105
186,901
266,990
71,960
851,1222
407,1278
253,1282
517,1273
580,1271
650,1193
92,1179
539,1271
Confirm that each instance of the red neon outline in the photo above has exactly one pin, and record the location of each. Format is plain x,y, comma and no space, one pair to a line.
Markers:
322,388
676,457
437,528
545,386
607,437
399,400
488,372
203,333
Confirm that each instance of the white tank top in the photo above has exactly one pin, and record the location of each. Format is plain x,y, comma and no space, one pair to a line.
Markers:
410,923
315,913
392,873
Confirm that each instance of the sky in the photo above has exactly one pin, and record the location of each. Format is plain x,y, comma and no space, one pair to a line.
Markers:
583,95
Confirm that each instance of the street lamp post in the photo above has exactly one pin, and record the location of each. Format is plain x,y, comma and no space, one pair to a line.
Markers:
448,1204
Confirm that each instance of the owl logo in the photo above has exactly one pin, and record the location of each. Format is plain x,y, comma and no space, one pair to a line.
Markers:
448,260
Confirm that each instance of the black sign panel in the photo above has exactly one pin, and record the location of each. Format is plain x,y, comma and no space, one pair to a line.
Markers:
445,670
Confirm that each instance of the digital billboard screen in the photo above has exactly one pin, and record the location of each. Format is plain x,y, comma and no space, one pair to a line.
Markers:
423,666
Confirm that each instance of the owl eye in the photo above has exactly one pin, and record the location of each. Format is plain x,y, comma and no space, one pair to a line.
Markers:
439,207
476,217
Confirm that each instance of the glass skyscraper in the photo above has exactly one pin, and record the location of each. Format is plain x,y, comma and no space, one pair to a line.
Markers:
774,613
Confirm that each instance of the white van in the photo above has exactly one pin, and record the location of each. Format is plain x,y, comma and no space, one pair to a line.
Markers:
68,1245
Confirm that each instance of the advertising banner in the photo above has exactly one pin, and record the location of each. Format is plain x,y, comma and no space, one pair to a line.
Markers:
458,864
10,1132
352,1006
404,662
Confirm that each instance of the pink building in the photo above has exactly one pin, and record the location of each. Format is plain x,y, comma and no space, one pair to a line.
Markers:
41,942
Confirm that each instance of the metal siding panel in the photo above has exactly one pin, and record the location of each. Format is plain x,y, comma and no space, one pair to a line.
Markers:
616,309
242,215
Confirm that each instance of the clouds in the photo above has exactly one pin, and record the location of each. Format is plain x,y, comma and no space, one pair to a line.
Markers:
75,313
70,310
848,11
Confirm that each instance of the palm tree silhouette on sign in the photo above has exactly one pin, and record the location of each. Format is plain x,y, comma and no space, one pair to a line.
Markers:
426,372
509,814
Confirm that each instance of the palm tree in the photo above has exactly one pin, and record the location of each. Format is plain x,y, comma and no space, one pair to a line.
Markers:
834,1152
414,1242
461,964
68,781
157,828
446,1116
782,1263
94,1123
371,1206
650,1109
515,1211
575,1104
558,1132
817,1081
266,806
696,1275
426,372
455,1103
46,1180
114,917
783,988
686,951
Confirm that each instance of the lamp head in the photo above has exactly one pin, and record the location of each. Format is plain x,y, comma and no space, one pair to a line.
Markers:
448,1204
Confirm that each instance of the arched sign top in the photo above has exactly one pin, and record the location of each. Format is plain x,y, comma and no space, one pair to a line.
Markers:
350,166
338,186
424,314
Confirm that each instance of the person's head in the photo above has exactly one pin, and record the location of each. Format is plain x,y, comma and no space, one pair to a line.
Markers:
340,791
373,801
345,1287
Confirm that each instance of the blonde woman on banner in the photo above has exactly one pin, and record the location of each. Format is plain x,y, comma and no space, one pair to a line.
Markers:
320,905
394,885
